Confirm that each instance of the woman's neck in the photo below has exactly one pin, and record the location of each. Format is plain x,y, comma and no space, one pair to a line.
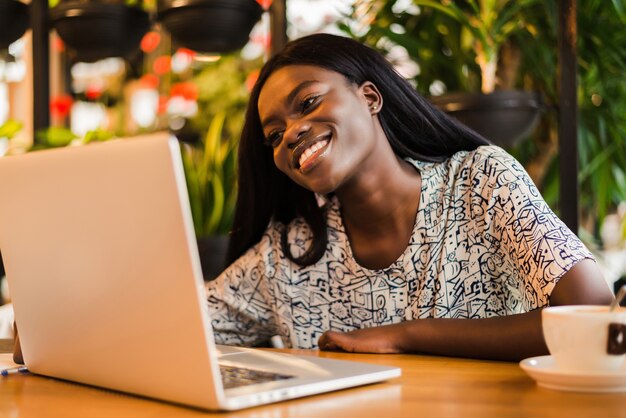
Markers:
379,213
382,198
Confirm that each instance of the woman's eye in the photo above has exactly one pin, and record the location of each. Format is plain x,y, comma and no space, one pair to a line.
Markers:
308,103
273,138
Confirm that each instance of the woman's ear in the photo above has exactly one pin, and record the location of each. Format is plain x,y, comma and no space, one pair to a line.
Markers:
372,96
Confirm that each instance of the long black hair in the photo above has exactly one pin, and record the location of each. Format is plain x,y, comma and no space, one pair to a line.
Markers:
414,128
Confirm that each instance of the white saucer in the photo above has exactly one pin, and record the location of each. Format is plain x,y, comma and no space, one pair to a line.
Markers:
544,372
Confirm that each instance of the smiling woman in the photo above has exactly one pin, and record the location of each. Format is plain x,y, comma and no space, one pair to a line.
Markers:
369,221
315,107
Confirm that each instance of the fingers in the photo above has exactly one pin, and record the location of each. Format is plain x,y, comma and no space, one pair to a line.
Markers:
325,342
334,341
378,340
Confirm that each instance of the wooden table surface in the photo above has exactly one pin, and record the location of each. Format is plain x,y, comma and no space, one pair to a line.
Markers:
429,387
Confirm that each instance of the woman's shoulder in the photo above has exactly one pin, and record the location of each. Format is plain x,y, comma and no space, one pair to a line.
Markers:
490,154
267,248
482,154
488,161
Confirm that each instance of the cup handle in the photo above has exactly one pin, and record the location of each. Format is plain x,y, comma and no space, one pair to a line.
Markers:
616,344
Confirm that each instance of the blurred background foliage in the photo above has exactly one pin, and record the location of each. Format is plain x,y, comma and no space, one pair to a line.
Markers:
444,49
211,163
439,45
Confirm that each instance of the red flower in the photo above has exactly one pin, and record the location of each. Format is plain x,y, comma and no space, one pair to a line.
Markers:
162,64
57,44
60,105
93,92
162,104
150,41
149,80
265,4
186,89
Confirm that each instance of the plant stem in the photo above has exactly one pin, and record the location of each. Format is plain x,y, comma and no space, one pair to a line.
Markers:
488,63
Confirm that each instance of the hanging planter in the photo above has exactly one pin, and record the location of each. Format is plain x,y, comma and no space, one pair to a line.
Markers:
504,117
94,30
212,26
13,21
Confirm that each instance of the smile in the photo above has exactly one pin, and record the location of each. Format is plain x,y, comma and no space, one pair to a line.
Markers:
310,156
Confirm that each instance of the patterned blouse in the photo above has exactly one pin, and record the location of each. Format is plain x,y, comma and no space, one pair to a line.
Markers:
484,244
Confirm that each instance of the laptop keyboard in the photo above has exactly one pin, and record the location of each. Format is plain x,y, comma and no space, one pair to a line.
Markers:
234,377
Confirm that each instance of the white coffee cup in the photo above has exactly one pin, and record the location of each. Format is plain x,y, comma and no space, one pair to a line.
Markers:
585,339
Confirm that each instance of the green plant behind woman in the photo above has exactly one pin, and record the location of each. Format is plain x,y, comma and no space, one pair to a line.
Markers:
211,180
210,166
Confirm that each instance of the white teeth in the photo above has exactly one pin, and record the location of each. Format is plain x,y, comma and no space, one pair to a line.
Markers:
311,150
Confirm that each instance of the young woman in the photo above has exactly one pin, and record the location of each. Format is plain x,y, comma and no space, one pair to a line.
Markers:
368,221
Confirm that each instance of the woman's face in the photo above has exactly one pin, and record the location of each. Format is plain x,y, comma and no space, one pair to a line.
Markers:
320,126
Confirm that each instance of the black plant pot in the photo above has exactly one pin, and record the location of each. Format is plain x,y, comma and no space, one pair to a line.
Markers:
94,30
212,250
503,117
214,26
13,21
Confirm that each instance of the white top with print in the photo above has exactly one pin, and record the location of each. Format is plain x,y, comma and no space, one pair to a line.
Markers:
484,244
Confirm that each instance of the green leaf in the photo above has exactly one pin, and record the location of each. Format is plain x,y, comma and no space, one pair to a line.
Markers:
474,6
213,140
602,179
450,9
619,7
55,137
473,23
218,198
620,183
211,176
10,128
97,135
194,189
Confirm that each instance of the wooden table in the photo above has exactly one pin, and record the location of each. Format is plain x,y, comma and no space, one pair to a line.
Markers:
429,387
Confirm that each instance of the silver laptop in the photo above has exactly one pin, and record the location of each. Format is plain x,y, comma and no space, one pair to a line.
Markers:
107,288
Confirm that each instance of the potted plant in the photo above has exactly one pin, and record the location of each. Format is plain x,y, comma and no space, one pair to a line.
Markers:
503,116
95,29
214,26
13,21
475,37
210,164
210,171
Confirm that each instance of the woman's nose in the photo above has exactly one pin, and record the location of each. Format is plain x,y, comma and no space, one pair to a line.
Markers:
296,131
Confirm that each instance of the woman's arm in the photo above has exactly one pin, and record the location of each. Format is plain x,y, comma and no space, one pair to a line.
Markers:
511,338
240,300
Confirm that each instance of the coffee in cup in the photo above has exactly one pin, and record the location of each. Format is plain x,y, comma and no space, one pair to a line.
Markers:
585,339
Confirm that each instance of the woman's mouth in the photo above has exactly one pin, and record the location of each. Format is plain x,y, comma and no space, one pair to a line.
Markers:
310,156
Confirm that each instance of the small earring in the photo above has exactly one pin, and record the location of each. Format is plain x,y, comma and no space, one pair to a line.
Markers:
374,107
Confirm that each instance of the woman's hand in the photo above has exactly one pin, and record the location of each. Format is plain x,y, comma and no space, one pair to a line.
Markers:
378,340
510,338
